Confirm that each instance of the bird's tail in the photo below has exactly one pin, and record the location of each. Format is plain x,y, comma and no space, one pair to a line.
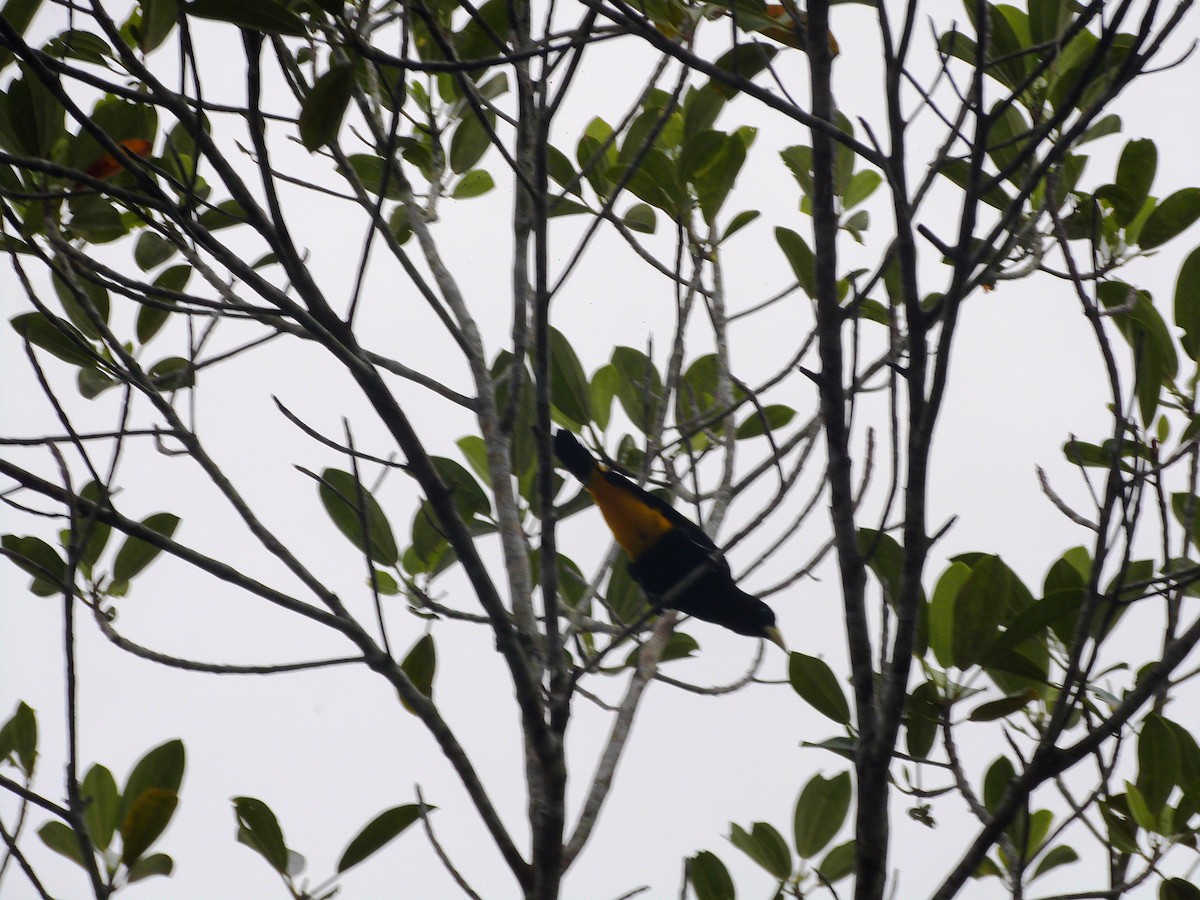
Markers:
573,456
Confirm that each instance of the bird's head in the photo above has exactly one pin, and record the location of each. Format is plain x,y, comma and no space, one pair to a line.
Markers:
761,623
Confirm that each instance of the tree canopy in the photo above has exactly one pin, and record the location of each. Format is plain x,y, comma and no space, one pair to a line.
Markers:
306,289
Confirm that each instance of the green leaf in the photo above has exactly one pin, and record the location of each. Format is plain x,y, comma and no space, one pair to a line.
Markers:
959,171
800,257
259,830
776,415
61,839
745,60
348,503
838,862
475,183
172,374
375,175
135,554
1189,756
56,336
999,709
1135,175
1158,762
639,386
979,609
36,116
1170,217
469,142
862,185
813,680
1122,831
996,781
254,15
569,390
714,183
799,160
1036,828
1057,856
1187,303
710,879
641,218
1139,809
1146,332
73,298
469,498
151,319
159,18
380,831
95,219
420,665
1007,138
325,106
160,769
474,450
225,214
738,222
1178,889
149,866
941,612
102,805
1110,124
18,14
148,817
820,811
559,168
561,206
37,558
765,846
151,250
19,737
603,389
922,717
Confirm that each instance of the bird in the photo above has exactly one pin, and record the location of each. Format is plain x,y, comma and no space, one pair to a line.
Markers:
670,557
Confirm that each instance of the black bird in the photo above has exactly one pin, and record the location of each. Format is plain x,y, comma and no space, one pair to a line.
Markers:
673,560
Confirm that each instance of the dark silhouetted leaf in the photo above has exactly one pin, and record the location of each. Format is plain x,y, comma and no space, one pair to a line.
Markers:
103,805
19,737
325,106
259,830
385,827
160,769
800,257
710,879
135,554
820,812
254,15
348,503
54,335
765,846
61,839
1174,214
813,680
148,817
777,415
979,609
149,866
420,665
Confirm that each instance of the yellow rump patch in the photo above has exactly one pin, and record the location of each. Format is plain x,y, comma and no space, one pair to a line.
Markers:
634,524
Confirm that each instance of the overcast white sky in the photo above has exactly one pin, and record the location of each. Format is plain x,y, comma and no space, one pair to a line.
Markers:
328,750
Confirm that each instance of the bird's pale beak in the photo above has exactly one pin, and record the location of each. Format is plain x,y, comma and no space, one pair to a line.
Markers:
772,634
